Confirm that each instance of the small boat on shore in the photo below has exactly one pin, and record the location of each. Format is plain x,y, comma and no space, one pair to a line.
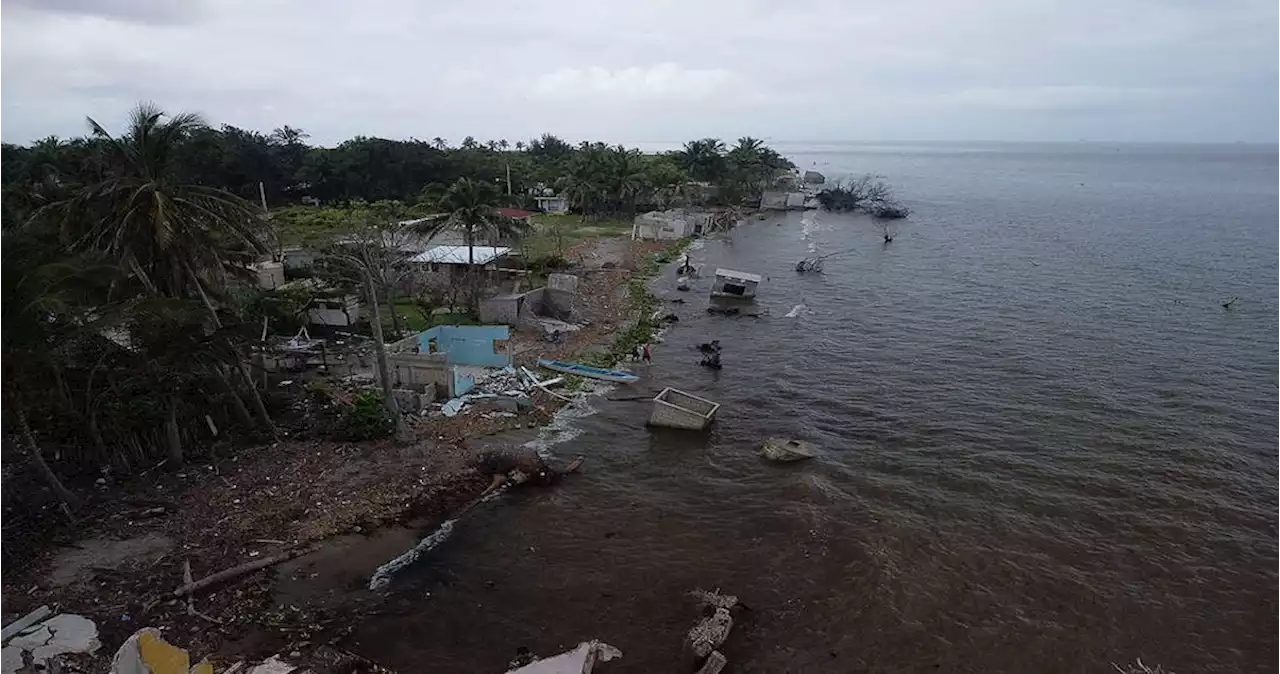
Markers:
620,376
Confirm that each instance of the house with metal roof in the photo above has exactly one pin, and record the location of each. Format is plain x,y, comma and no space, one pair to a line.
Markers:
458,258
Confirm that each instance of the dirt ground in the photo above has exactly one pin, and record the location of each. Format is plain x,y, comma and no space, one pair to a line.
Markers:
121,560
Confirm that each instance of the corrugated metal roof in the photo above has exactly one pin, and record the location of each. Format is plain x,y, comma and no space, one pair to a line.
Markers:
729,273
459,254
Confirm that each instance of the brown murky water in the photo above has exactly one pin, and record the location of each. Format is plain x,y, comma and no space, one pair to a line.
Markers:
1045,445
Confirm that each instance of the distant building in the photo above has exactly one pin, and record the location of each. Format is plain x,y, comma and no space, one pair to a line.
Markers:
669,225
270,275
557,205
326,307
517,214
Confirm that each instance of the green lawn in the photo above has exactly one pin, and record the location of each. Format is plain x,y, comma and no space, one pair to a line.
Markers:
413,320
310,225
555,233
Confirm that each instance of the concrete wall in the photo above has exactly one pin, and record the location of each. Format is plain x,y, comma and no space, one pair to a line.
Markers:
270,274
669,225
562,290
468,344
509,309
777,200
300,258
330,311
420,371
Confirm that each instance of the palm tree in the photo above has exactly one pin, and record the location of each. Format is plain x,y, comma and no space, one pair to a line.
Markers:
470,207
580,189
439,143
176,240
171,239
35,300
703,159
628,177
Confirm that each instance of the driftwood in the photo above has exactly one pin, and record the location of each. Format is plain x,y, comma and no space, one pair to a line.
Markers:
237,571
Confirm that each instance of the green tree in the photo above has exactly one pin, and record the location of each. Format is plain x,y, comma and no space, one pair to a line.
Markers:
37,307
703,159
364,258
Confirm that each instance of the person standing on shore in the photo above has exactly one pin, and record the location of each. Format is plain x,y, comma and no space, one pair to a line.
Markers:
647,355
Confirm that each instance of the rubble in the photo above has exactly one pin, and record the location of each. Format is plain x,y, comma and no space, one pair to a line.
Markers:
46,638
580,660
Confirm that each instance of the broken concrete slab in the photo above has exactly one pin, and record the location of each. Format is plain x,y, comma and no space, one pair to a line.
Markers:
63,633
783,449
21,624
580,660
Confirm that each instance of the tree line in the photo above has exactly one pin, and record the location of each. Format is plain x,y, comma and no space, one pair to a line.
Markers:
598,178
131,328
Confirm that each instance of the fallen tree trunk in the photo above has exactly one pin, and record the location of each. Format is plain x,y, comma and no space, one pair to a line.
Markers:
237,571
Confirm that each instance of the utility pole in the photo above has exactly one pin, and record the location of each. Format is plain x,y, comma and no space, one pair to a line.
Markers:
508,177
262,194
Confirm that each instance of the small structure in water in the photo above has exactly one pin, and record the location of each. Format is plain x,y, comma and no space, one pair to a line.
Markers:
732,284
809,264
676,409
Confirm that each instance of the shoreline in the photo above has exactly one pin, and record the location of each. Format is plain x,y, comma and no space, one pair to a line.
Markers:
240,506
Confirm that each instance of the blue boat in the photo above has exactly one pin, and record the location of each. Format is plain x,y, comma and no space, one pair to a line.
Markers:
620,376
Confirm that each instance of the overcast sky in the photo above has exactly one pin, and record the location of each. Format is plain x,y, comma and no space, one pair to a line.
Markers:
1146,70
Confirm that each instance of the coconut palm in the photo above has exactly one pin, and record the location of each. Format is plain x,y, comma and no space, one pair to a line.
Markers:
470,208
170,239
703,159
627,175
174,239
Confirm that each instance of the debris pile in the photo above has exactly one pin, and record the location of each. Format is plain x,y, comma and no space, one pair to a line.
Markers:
39,639
580,660
707,636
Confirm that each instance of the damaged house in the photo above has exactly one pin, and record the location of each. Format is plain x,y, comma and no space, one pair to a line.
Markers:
446,360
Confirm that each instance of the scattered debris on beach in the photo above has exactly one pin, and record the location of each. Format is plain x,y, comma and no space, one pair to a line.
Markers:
580,660
40,639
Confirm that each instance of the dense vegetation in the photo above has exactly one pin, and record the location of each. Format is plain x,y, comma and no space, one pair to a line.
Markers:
130,337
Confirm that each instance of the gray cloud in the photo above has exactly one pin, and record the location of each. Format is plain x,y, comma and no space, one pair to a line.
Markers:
141,11
656,71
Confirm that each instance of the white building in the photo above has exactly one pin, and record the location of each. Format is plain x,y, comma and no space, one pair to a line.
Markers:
669,225
270,275
735,284
557,205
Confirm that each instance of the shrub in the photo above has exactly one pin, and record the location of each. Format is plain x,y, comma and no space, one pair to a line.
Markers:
368,418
